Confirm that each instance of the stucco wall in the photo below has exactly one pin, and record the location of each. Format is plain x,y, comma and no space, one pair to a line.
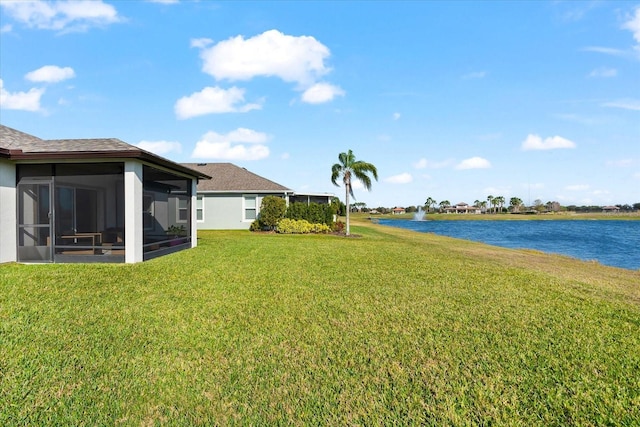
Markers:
226,211
7,211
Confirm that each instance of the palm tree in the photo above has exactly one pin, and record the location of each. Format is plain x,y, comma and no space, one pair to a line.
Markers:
430,201
444,204
515,204
483,205
350,168
499,201
490,200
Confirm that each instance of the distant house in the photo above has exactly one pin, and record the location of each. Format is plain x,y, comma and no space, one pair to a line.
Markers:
398,211
611,209
91,200
463,208
231,199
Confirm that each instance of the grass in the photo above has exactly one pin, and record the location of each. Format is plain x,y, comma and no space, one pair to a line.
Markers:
393,327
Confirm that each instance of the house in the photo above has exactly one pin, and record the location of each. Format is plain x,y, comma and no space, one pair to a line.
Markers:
231,199
398,211
611,209
91,200
463,208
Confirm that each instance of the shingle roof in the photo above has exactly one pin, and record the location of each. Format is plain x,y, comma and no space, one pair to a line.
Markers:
227,177
15,144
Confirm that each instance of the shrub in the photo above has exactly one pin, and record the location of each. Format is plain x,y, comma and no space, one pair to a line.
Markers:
315,213
338,226
272,210
300,226
255,226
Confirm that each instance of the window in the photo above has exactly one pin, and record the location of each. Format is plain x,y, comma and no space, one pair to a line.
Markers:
199,209
250,211
182,206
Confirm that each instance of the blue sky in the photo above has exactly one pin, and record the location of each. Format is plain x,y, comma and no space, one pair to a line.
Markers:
450,100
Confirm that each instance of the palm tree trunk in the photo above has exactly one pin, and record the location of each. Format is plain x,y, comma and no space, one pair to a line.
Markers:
348,207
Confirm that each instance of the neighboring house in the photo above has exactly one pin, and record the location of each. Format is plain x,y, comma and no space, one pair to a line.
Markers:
91,200
231,199
611,209
463,208
398,211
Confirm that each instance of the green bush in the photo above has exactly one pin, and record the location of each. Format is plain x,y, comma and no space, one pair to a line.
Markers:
314,213
255,226
272,210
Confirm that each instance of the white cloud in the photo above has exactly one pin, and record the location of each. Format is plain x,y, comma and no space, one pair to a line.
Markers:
396,116
604,72
623,163
160,147
403,178
535,142
475,75
212,100
633,25
6,28
201,42
606,50
272,53
25,101
50,74
357,184
627,104
474,163
421,164
321,92
229,146
577,187
77,15
424,163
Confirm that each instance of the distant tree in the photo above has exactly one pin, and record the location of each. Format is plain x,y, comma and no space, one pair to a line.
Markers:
537,205
476,203
483,205
348,169
515,203
636,206
490,200
359,205
337,206
444,204
430,201
499,201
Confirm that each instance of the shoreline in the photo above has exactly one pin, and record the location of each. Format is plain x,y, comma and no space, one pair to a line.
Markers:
633,216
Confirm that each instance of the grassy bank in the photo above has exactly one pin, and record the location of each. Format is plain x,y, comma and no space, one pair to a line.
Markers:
393,326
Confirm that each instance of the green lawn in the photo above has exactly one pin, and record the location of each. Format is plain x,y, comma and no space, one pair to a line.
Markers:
392,327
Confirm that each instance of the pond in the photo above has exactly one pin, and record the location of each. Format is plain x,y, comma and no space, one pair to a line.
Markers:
610,242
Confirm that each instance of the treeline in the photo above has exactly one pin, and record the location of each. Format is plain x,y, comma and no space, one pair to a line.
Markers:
539,207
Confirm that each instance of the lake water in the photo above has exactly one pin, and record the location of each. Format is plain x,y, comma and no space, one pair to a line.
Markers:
610,242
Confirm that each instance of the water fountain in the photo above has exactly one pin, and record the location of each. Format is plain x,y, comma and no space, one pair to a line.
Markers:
419,214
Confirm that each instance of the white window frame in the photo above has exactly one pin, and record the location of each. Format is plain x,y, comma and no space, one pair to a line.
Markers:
178,220
245,207
200,207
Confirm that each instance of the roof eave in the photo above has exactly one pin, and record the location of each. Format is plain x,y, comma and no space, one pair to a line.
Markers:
84,155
